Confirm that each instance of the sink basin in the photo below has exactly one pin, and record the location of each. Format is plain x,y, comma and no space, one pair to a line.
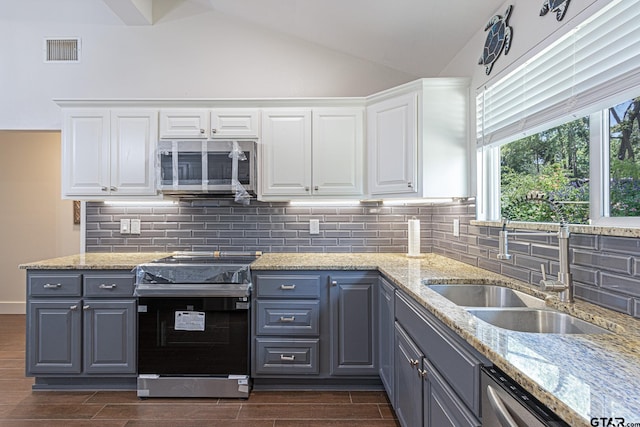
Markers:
486,296
536,321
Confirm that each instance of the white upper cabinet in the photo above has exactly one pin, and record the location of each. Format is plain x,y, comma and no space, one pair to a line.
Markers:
337,151
235,123
417,140
315,153
392,145
184,123
108,153
286,152
204,123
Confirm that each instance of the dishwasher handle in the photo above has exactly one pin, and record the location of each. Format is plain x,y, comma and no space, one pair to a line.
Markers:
499,408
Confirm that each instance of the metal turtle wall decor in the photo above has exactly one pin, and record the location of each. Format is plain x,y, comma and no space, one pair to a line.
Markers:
498,39
557,6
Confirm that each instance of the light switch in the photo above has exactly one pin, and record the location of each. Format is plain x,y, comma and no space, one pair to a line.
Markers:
135,226
456,228
125,226
314,226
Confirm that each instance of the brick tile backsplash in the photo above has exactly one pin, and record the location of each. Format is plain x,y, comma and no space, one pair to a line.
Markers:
606,270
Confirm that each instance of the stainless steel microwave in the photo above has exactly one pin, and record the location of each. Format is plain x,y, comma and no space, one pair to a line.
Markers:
207,167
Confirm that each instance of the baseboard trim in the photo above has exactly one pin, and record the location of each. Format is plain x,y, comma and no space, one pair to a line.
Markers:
12,307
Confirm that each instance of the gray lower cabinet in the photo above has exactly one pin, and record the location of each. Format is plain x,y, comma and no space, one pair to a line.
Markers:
386,320
436,374
80,323
310,325
353,302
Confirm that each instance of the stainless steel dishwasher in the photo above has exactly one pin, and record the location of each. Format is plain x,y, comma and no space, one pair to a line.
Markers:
506,404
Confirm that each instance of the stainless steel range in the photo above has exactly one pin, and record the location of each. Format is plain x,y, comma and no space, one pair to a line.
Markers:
193,325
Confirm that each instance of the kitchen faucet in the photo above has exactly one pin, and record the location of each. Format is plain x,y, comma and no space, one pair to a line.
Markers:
564,284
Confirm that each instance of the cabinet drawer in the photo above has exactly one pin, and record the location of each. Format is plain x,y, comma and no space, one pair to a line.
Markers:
287,357
287,317
459,367
288,286
108,285
62,285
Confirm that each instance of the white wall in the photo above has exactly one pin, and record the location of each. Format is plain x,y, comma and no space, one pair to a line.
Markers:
186,54
531,34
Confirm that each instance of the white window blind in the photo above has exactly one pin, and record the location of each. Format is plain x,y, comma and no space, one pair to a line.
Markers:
595,61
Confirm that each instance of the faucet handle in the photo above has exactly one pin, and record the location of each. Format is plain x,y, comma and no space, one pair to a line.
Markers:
544,272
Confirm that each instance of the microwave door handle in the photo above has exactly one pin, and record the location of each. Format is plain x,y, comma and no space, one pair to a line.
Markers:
500,409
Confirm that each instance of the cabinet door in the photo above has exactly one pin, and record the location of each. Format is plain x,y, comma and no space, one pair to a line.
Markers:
392,135
109,336
352,307
234,123
386,319
53,337
133,141
337,151
85,152
286,152
184,123
442,407
408,381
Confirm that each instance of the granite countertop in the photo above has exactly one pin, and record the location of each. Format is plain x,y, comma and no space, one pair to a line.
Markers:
577,376
95,261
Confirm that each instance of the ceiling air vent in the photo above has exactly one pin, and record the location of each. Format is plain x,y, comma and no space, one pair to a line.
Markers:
62,50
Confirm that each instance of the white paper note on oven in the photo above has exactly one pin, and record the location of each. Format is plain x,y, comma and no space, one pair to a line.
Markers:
189,321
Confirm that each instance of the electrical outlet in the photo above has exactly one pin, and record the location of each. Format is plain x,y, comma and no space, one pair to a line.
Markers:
314,226
125,226
456,228
135,226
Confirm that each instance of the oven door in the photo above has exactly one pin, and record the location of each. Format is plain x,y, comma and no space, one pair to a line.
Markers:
193,336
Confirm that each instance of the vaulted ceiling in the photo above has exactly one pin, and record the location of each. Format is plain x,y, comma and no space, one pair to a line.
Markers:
418,37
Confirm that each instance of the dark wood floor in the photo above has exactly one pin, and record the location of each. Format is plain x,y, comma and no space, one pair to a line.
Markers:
19,406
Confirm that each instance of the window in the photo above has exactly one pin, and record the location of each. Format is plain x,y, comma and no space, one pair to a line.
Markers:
566,122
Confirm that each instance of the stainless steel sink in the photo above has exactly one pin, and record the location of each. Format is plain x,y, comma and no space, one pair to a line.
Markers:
536,321
486,296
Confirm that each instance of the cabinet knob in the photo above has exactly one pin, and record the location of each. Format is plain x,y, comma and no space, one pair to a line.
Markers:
290,358
202,131
422,373
104,188
414,363
105,286
214,130
334,283
409,184
52,285
306,188
86,307
287,287
73,307
315,188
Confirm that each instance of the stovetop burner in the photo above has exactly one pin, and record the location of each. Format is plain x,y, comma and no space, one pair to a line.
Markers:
196,274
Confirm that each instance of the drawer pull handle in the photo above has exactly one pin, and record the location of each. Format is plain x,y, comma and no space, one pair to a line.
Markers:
105,286
414,363
287,287
288,358
287,319
52,285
